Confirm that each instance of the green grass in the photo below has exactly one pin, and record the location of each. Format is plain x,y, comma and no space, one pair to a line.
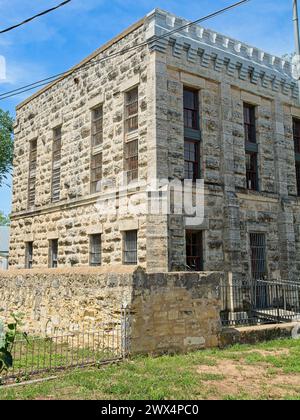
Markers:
41,354
196,375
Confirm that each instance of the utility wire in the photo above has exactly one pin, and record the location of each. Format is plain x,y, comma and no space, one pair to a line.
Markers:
58,76
45,12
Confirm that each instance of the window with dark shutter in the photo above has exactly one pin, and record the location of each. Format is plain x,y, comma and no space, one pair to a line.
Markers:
56,165
130,247
96,173
194,250
53,253
29,255
131,160
97,126
131,111
95,250
32,173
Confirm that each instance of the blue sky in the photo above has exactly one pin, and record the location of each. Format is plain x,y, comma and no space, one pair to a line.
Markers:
59,40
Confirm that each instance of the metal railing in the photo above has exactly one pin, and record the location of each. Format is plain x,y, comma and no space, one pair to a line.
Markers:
57,349
260,302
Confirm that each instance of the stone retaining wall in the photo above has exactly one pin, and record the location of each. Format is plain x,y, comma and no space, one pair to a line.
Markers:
175,312
259,333
168,312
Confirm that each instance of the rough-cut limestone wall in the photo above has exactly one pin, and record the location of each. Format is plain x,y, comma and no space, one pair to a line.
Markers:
169,312
171,97
69,103
72,227
232,212
65,298
77,214
175,312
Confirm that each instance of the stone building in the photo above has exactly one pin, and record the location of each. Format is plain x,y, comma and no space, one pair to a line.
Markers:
155,103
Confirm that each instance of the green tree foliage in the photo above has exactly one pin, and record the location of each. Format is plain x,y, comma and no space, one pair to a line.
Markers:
4,220
7,341
6,145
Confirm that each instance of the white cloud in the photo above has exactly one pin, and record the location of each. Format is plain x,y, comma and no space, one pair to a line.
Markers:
22,72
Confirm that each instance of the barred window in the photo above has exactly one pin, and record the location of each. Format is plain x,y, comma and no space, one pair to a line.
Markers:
131,160
191,159
258,255
53,253
97,126
95,250
252,171
131,111
56,165
191,108
96,173
28,255
249,123
194,250
130,247
32,173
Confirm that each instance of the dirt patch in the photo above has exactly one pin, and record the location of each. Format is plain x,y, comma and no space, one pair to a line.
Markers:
253,381
265,353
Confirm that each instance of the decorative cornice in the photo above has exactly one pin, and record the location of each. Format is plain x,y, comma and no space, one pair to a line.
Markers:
209,48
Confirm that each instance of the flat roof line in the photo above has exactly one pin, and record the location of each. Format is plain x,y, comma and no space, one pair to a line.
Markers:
100,50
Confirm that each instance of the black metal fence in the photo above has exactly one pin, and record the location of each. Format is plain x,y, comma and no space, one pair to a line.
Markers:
260,302
56,349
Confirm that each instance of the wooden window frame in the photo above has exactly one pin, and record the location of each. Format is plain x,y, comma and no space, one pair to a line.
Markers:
196,163
250,123
131,160
53,252
32,174
29,255
95,166
191,114
131,111
252,172
95,257
194,250
97,126
56,164
130,252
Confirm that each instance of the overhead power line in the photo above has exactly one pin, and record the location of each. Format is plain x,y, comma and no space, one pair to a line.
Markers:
45,12
84,66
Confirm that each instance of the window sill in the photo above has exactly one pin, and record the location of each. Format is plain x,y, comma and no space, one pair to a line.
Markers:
97,149
131,136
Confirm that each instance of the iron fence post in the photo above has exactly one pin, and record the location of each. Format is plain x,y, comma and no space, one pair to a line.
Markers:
125,326
277,303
